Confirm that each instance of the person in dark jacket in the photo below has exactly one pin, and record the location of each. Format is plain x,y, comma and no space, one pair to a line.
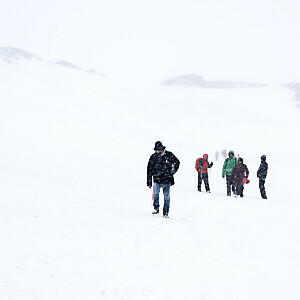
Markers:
201,167
262,174
239,176
162,166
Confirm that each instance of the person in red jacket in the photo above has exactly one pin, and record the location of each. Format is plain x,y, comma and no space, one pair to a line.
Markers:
201,167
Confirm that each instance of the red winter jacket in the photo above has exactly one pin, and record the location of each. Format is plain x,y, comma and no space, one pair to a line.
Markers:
202,164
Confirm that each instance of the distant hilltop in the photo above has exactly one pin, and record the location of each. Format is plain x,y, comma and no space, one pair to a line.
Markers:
14,55
295,87
194,80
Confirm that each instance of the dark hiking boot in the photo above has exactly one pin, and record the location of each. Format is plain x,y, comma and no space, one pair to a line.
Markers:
166,215
155,212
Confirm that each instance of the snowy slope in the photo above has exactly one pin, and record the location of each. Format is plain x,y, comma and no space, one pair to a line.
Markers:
76,212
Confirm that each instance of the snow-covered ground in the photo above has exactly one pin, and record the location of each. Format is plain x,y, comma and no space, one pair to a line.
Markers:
75,211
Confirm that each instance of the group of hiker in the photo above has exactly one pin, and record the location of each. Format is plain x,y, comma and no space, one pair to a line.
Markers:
163,164
236,173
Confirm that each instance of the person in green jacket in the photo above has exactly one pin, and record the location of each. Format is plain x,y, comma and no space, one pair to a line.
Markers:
228,166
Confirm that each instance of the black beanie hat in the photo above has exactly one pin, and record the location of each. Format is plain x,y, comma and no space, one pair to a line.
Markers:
159,146
241,160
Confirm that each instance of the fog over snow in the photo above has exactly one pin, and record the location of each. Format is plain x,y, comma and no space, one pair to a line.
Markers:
220,40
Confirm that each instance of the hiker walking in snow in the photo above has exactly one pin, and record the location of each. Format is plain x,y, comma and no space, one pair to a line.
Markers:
239,177
262,174
228,166
217,155
201,167
224,153
162,165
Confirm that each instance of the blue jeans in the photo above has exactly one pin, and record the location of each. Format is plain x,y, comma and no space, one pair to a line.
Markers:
166,190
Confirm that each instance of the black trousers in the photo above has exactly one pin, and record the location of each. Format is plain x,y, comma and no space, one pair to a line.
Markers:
229,185
239,189
203,177
262,188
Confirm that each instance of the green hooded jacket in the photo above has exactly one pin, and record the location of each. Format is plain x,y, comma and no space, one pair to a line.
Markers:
229,163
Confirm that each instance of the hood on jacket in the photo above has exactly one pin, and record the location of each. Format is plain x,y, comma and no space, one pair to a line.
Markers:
263,158
205,156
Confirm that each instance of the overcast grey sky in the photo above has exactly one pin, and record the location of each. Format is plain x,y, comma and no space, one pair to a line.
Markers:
219,39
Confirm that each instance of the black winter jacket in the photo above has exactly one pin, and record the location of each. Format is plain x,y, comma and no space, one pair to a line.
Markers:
239,172
162,167
262,170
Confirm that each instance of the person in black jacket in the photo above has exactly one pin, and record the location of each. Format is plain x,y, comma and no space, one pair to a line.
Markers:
162,165
239,177
262,174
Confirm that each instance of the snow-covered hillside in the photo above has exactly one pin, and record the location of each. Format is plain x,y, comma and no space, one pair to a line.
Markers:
294,87
13,55
194,80
76,212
